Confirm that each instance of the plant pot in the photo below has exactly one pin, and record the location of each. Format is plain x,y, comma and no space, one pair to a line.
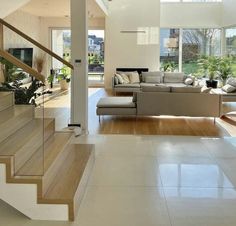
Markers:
64,85
212,83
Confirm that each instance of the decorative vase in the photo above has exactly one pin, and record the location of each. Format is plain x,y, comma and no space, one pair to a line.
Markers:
64,84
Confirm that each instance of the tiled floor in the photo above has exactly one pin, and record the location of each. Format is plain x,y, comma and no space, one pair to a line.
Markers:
154,181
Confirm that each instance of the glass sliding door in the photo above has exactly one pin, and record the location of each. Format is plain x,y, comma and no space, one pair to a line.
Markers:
96,57
169,49
230,36
61,45
197,43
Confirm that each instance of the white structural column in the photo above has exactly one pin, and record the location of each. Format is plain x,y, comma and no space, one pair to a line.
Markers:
79,85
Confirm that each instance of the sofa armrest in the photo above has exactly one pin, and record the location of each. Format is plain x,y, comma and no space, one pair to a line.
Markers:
113,82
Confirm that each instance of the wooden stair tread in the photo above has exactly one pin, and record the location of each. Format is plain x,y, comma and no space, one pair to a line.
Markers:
64,185
12,112
41,160
23,135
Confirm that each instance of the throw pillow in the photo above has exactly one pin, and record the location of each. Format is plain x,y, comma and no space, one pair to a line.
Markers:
152,77
120,79
228,88
173,77
206,89
125,78
134,77
231,81
188,81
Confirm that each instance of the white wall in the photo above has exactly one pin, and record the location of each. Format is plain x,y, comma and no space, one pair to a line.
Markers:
9,6
229,13
25,22
131,50
191,15
28,24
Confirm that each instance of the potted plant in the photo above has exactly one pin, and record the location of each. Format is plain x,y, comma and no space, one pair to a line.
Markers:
209,65
11,73
169,66
39,62
63,78
225,68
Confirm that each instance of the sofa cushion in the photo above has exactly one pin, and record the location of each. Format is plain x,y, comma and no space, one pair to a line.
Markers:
133,77
173,77
146,84
228,88
134,85
152,77
176,85
186,89
231,81
156,88
116,102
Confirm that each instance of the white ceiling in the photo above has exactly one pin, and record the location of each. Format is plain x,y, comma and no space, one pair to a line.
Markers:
58,8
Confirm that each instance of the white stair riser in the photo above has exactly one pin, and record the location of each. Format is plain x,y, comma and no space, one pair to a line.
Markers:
23,197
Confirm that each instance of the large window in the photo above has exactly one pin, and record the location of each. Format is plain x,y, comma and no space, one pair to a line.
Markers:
197,43
96,54
61,44
230,35
169,49
190,44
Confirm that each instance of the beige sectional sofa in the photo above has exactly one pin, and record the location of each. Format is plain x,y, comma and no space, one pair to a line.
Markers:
162,100
133,81
228,91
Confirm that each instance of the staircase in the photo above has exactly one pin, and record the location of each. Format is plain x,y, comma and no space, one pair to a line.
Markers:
42,174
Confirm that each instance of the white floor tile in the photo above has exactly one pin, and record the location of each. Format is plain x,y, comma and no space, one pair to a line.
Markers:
192,172
109,206
220,148
180,147
125,171
201,207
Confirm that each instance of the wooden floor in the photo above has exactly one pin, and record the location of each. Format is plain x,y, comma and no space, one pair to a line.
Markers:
142,125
